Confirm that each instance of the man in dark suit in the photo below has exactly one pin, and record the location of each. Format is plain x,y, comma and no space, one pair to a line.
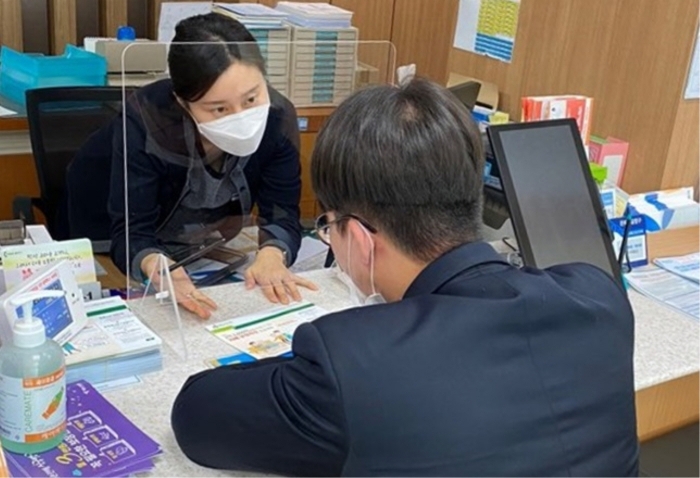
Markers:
471,367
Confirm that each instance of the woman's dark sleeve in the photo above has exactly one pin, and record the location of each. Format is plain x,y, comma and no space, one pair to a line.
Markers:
280,191
143,176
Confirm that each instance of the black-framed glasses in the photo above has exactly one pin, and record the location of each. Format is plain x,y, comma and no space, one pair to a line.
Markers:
322,228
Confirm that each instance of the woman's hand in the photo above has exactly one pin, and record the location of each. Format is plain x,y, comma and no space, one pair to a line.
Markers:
186,294
276,281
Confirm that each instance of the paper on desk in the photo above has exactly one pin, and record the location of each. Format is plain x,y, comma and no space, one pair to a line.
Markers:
687,266
6,111
671,289
268,333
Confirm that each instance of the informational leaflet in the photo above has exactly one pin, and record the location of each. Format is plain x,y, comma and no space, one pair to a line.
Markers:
268,333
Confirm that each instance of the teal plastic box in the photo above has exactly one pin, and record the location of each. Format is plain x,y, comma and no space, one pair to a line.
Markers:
20,72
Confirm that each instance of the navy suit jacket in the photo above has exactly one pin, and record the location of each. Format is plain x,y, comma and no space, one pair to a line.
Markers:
481,369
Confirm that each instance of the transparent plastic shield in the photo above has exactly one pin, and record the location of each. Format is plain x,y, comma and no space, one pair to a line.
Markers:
216,155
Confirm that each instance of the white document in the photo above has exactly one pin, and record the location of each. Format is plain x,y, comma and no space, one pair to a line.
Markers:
687,266
268,333
673,290
112,330
6,111
172,12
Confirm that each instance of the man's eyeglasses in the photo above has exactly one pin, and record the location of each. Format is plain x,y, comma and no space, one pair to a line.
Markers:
322,228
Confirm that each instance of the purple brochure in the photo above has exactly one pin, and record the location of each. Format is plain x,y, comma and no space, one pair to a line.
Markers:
99,442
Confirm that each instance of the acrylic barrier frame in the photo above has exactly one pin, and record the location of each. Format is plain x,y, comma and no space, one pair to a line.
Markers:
162,137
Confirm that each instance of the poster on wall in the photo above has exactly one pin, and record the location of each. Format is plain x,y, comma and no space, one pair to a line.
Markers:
487,27
692,87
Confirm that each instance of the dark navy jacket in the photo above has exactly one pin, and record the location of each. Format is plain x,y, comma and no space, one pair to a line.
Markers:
482,369
160,139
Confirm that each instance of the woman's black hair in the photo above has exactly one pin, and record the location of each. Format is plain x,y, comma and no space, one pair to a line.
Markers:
203,48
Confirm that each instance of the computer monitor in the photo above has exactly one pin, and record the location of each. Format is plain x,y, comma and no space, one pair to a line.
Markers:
467,93
554,204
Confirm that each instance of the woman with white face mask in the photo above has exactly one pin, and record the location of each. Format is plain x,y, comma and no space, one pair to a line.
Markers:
203,148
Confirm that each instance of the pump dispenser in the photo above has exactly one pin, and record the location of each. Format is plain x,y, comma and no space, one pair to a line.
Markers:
32,383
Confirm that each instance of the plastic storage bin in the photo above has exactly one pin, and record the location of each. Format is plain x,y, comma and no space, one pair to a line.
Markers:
20,72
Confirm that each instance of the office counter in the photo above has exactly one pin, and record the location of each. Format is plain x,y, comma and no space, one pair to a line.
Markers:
666,364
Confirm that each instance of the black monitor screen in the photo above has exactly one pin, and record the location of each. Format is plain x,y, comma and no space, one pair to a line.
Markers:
556,209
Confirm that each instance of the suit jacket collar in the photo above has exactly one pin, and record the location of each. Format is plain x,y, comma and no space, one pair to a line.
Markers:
451,264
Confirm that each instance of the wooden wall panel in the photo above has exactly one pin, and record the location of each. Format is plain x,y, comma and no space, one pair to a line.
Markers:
63,24
11,24
113,14
423,34
682,161
630,55
373,18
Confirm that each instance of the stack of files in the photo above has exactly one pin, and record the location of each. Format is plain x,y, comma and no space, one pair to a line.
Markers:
671,289
316,15
114,344
272,34
687,267
324,62
99,441
252,15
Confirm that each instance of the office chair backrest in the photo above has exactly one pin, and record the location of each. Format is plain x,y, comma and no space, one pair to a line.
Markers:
60,121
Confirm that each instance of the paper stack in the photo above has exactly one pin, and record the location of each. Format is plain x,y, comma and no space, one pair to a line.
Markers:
272,34
664,286
252,15
99,441
114,344
316,15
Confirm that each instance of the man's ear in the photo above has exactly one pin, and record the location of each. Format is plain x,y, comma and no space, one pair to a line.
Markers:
362,241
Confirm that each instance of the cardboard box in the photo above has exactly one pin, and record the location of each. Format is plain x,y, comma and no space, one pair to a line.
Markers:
669,209
636,239
611,153
488,93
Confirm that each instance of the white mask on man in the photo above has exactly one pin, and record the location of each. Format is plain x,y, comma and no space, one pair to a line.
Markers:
239,134
357,297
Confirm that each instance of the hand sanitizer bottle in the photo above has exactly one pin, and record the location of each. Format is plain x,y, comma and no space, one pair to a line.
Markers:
32,383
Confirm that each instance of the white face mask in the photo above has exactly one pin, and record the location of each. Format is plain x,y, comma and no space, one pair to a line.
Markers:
357,297
239,134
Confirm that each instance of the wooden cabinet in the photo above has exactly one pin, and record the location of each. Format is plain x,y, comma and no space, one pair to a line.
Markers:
308,199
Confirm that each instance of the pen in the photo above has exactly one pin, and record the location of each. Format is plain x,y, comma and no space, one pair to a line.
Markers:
623,246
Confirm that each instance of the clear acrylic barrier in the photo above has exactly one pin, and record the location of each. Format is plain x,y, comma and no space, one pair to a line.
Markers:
199,198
